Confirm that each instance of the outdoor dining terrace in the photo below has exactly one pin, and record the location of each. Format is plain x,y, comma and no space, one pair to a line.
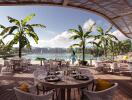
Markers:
107,35
64,81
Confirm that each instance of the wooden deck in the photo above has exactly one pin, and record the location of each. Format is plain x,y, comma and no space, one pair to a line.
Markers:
124,91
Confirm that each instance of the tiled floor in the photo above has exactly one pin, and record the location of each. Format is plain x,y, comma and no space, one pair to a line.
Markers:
124,91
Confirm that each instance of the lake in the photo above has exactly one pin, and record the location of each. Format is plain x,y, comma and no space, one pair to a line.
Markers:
64,56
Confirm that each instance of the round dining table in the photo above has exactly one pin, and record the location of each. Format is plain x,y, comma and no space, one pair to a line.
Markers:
66,84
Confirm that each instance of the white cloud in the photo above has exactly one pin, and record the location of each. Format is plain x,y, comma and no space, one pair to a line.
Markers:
62,40
119,35
88,24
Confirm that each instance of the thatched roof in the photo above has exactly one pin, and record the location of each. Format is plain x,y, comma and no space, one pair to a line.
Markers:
117,12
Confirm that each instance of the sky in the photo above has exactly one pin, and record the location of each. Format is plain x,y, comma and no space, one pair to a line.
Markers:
58,20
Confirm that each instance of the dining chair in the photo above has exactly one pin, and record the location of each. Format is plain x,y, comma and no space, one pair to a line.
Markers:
31,95
86,72
106,94
115,67
53,66
98,66
6,69
46,65
38,74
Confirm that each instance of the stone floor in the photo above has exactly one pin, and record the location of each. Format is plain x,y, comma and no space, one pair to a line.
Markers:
124,91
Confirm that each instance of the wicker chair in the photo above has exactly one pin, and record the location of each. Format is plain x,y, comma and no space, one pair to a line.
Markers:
99,66
106,94
21,95
115,67
46,65
6,69
38,74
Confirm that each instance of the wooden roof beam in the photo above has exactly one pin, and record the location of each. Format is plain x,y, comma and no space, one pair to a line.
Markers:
102,7
126,14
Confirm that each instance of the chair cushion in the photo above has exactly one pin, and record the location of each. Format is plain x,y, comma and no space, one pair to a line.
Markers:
24,87
102,85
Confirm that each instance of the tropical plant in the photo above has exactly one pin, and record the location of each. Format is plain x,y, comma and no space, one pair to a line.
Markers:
21,30
105,38
4,50
123,46
112,48
97,49
82,37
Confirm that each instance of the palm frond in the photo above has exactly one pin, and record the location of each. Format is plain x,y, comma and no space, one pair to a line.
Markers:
15,40
88,36
94,43
74,45
28,46
80,29
75,37
108,30
1,42
38,25
100,30
28,27
97,37
13,20
13,28
112,36
3,27
27,19
91,27
7,29
33,35
74,31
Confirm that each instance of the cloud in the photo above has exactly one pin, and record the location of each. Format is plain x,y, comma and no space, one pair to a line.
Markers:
61,40
119,35
88,24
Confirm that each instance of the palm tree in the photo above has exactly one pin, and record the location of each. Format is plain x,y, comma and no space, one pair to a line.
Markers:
21,30
105,38
4,50
96,47
82,37
112,48
123,46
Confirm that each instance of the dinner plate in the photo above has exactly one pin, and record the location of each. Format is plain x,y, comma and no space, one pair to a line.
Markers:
81,77
54,73
74,72
52,78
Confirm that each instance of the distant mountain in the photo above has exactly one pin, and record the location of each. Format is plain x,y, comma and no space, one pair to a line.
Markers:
48,50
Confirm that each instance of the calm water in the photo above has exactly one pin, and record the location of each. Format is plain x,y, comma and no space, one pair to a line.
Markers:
64,56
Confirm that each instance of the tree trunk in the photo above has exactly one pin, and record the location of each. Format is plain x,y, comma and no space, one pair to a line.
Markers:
20,52
113,56
105,50
83,52
20,49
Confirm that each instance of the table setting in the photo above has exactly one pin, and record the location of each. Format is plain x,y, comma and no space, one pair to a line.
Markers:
65,75
65,80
